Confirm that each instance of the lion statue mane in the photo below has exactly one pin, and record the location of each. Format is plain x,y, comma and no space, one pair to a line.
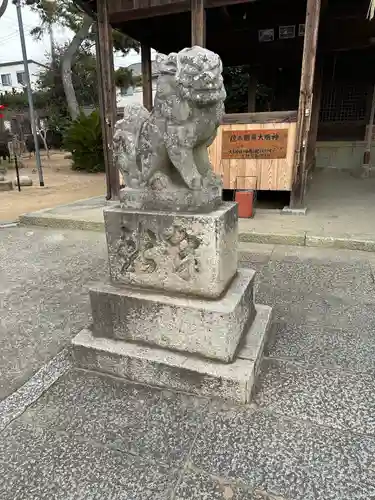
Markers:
167,148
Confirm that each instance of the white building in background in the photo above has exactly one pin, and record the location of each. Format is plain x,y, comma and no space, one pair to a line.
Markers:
134,95
12,75
131,96
12,78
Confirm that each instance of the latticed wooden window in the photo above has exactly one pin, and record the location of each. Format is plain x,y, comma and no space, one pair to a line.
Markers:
344,102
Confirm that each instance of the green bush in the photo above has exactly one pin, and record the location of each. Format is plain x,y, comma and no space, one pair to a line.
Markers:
83,139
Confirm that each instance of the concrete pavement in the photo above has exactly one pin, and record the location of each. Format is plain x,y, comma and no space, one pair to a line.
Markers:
44,277
353,228
309,433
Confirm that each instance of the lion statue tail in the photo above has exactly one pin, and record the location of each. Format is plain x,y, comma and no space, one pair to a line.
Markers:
125,140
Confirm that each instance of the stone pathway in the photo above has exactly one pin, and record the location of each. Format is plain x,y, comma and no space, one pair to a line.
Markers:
309,433
353,229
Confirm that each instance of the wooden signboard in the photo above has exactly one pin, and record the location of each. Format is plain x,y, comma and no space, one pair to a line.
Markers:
259,144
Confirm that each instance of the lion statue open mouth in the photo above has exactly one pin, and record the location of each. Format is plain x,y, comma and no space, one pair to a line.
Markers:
168,147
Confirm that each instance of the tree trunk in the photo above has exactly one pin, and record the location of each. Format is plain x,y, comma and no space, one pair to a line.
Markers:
67,61
3,7
43,135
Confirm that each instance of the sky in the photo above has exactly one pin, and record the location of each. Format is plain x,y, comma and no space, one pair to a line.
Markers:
10,46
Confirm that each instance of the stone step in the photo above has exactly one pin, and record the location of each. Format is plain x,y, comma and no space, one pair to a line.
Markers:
165,368
6,185
209,328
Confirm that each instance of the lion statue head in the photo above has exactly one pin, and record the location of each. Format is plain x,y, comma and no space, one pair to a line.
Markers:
198,76
196,73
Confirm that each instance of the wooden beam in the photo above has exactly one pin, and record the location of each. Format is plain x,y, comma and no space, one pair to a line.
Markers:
102,110
315,111
252,91
120,15
107,96
305,102
198,23
366,162
146,76
124,16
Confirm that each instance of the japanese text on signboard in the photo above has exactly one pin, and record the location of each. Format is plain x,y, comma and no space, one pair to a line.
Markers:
254,144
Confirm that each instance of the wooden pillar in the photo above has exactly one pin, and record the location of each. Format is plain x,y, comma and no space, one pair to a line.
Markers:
146,76
317,98
252,91
198,23
366,162
107,96
305,102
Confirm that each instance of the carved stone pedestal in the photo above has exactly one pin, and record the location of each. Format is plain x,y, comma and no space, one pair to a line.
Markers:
211,328
176,312
190,253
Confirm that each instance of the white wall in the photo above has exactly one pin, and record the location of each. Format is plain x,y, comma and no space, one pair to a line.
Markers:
13,69
135,98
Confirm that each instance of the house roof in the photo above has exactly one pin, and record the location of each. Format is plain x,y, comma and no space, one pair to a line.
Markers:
15,63
136,68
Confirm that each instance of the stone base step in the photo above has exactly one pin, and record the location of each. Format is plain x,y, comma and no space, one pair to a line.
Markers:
202,327
6,185
163,368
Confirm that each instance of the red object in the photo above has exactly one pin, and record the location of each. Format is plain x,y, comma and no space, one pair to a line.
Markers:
245,200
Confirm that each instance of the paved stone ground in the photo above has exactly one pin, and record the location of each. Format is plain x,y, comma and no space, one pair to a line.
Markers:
44,279
308,435
341,212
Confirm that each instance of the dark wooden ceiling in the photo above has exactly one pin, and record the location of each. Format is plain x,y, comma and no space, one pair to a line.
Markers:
232,27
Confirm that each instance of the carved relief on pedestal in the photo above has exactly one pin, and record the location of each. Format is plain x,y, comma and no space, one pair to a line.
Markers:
173,251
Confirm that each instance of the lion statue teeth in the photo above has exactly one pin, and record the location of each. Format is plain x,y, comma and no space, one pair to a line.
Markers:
167,148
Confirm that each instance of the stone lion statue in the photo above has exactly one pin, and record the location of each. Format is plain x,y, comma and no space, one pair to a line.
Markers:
167,148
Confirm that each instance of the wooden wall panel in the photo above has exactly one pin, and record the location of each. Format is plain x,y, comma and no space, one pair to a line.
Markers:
262,174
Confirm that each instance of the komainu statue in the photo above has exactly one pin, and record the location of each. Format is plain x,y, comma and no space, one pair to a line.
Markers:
167,148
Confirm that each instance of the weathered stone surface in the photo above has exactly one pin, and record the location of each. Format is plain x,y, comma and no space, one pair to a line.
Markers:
41,464
172,246
295,390
2,177
165,368
44,290
6,185
181,199
252,345
15,404
24,181
195,254
350,242
210,328
196,484
321,345
156,425
341,279
293,211
283,458
290,237
166,149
